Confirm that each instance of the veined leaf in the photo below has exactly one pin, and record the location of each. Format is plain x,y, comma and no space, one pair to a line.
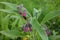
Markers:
39,29
50,16
12,34
7,11
11,5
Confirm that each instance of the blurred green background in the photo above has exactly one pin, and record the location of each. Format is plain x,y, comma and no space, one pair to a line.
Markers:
50,5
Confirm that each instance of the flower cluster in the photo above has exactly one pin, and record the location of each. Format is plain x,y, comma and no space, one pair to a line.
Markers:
27,27
22,11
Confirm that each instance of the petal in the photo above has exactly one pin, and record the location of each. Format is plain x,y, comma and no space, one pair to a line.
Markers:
26,29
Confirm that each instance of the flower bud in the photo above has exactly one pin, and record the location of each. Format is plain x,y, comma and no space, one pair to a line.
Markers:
48,32
24,14
25,28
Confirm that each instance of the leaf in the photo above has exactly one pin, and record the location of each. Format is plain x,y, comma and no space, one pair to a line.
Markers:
39,29
36,13
12,34
50,15
39,13
5,22
21,22
38,37
28,14
7,11
14,16
15,22
11,5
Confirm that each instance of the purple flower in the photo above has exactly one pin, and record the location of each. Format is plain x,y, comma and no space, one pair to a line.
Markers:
22,10
27,27
48,32
24,13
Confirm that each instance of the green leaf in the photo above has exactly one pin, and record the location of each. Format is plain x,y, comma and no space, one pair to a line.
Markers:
39,29
15,22
11,5
28,14
5,22
12,34
39,13
50,15
22,22
38,37
7,11
36,13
